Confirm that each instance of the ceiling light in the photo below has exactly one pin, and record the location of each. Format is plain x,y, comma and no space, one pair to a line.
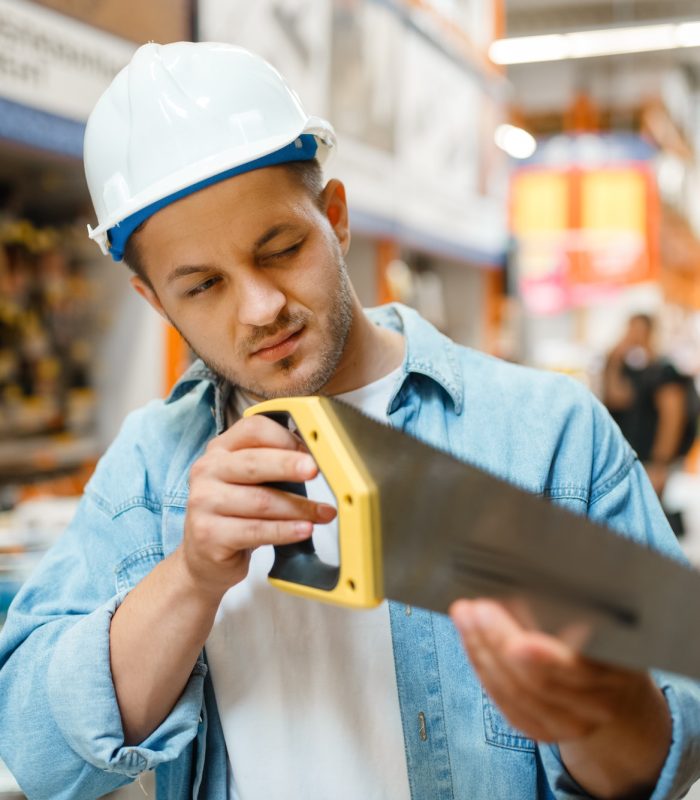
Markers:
590,44
551,47
688,34
517,142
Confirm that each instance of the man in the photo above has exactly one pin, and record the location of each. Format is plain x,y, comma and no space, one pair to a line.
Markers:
233,237
653,404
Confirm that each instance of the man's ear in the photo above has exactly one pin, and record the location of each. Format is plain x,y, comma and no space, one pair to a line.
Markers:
146,291
335,207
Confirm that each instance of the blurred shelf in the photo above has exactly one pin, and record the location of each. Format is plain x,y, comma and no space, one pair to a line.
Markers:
452,38
32,457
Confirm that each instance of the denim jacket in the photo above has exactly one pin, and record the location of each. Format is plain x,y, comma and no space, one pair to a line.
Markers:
60,729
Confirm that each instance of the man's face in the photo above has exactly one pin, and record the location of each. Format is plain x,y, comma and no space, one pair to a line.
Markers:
639,332
251,272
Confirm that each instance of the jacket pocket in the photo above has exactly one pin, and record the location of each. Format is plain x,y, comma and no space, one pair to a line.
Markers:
498,731
134,568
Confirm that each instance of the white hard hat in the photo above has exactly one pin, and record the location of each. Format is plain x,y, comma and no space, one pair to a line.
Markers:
181,116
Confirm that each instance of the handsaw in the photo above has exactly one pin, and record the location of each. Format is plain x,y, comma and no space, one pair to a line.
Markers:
417,525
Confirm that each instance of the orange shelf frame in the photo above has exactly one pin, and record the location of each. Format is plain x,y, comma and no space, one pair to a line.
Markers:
177,357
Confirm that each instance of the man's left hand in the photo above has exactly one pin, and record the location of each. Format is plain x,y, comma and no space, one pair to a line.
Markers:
612,725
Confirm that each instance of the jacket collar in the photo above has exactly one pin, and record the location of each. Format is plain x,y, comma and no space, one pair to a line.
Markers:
428,352
197,374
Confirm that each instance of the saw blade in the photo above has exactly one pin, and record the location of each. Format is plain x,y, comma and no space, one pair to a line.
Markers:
450,530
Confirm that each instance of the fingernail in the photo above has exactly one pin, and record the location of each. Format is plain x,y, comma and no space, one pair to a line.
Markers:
305,465
303,529
326,513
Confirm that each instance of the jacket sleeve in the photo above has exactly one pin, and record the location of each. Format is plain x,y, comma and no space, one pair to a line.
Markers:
622,498
60,727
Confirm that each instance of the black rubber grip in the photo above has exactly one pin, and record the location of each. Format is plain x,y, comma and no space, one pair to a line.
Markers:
299,562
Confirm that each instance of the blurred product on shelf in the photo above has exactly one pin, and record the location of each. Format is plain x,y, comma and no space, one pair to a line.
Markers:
45,352
47,399
46,325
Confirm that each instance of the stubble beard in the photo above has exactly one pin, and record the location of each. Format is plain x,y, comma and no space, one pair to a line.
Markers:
340,318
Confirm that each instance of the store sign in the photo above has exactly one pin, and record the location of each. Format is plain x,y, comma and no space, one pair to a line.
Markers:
53,63
583,233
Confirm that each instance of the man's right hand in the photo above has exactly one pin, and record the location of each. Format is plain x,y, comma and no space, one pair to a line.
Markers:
231,511
162,625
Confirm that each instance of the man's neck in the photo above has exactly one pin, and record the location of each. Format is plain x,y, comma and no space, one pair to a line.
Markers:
371,352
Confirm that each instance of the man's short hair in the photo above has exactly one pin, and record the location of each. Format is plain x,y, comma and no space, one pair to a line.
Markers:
308,173
645,319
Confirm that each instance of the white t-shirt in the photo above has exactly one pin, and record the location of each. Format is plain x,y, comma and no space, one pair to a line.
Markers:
307,691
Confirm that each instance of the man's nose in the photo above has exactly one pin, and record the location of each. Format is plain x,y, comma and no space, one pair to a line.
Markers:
260,301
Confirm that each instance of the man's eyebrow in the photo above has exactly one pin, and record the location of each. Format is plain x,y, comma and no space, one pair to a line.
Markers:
273,232
261,241
182,271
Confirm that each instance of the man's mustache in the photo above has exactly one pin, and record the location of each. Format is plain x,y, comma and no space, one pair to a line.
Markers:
285,321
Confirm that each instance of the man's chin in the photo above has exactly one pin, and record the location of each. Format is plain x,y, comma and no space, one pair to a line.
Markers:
293,384
289,377
287,390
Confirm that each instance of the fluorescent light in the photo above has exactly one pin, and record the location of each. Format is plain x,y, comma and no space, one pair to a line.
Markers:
688,34
589,44
551,47
621,40
517,142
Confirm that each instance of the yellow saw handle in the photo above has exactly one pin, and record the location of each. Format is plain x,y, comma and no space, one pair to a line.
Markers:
357,582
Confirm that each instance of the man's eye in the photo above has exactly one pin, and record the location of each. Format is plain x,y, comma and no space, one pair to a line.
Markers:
201,287
288,251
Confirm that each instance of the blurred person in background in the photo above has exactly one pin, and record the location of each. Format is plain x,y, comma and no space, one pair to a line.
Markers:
149,637
655,406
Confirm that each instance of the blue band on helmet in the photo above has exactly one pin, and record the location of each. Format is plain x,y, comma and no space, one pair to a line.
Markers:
301,149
